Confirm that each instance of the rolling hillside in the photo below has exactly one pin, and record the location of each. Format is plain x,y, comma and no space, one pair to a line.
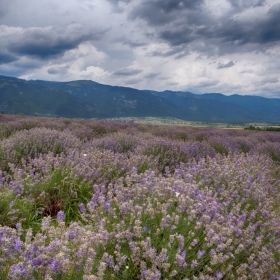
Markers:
113,101
88,99
22,97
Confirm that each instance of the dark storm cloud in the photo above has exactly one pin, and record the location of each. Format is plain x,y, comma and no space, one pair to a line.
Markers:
7,58
134,44
183,23
158,12
226,65
127,72
271,26
263,31
28,64
247,3
45,42
177,37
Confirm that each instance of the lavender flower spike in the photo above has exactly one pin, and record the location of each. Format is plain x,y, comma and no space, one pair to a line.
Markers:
60,216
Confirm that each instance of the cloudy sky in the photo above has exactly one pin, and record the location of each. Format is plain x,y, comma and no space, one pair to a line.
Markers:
227,46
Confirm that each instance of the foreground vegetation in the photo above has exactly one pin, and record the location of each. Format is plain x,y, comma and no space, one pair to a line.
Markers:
103,200
269,128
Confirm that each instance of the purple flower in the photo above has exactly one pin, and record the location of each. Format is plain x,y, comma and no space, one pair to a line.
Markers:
72,234
82,208
194,263
212,251
18,270
109,261
60,216
218,274
147,228
194,242
54,265
18,244
36,262
180,259
200,254
107,205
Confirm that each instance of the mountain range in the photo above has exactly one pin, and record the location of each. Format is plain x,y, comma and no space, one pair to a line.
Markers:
88,99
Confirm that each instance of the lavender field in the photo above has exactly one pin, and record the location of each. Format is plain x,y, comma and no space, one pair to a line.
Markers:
102,200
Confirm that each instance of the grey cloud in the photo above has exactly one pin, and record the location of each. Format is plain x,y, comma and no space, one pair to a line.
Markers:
182,24
7,58
172,5
270,92
177,37
226,65
265,81
127,72
2,13
45,43
58,70
20,67
133,81
172,51
88,4
116,5
250,71
117,2
11,72
247,3
172,84
269,28
27,64
183,54
265,30
152,75
158,12
208,83
272,80
134,44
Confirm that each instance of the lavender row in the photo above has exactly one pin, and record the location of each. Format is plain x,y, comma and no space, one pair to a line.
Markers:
99,200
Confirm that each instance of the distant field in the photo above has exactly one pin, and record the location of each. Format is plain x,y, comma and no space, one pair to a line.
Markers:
174,121
86,199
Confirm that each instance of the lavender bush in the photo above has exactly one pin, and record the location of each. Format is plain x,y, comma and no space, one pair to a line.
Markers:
101,200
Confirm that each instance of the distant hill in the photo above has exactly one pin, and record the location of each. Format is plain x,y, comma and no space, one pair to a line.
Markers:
114,101
266,109
88,99
207,110
216,107
20,96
